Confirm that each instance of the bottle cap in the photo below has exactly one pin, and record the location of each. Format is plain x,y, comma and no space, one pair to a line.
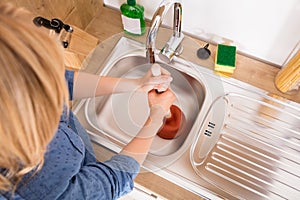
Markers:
131,2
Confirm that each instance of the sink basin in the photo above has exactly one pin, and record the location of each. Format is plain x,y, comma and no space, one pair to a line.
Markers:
119,117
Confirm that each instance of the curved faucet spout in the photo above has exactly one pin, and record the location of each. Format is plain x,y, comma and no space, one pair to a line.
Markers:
170,49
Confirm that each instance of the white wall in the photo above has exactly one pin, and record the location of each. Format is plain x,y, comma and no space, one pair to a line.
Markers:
266,29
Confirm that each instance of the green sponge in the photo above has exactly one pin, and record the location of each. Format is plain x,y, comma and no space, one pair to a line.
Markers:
225,58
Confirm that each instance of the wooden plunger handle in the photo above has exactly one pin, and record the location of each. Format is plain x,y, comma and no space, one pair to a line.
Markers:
155,70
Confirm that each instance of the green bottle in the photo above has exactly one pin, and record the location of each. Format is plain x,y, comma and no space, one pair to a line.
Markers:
133,18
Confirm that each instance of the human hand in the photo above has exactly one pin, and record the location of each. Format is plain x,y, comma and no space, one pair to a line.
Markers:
160,82
139,146
160,103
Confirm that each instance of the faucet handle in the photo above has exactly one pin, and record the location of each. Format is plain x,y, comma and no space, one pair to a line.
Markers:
172,48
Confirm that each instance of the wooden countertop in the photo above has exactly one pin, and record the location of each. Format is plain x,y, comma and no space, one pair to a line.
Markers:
107,23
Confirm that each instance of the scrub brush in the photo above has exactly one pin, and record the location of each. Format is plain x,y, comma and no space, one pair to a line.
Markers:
225,58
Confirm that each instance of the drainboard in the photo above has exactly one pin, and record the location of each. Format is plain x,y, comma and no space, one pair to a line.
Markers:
252,151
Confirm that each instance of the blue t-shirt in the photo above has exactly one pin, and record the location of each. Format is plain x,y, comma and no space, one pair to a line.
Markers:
71,171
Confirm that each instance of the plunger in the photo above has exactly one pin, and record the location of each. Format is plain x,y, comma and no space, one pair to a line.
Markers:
175,117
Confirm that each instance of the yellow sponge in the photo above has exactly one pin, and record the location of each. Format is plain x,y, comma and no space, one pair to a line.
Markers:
225,58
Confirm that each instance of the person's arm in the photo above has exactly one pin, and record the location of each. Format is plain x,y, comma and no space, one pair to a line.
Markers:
108,180
139,146
90,85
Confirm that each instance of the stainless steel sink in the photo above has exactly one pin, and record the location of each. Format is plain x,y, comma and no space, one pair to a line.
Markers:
187,161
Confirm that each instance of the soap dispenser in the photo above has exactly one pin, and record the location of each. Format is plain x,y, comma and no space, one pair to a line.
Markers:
133,18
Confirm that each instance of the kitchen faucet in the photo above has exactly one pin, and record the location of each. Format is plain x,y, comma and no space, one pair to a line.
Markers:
173,46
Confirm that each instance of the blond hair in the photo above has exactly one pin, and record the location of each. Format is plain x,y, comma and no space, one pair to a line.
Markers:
33,93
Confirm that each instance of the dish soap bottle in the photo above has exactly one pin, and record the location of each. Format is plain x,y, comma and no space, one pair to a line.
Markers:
133,18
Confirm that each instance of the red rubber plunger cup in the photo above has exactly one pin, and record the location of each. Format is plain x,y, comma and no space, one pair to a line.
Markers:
172,124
